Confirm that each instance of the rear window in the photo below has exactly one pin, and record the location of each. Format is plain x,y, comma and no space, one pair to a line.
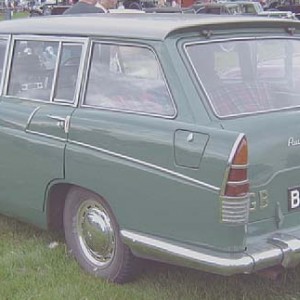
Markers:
248,76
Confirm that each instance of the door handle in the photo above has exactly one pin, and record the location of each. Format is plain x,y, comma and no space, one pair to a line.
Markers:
62,122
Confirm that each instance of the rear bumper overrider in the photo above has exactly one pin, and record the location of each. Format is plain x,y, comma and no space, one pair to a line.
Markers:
279,249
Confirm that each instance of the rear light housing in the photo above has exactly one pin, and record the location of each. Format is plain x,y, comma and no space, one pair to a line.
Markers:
235,190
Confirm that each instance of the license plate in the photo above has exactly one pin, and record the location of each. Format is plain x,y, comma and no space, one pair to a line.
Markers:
294,198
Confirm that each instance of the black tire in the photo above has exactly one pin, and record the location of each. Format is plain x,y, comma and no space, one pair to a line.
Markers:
86,216
135,5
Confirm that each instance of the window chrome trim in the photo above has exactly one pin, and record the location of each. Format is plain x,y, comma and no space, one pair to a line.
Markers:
80,74
8,66
202,86
126,44
54,81
46,38
50,38
147,164
6,38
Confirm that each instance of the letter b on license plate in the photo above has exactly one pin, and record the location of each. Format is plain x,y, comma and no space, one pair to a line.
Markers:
294,198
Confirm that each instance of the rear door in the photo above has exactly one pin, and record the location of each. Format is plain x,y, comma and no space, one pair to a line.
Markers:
132,145
39,97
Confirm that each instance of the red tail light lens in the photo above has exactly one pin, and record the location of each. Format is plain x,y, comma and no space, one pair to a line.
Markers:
241,154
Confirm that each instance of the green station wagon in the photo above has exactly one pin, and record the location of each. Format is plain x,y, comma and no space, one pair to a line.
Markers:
173,138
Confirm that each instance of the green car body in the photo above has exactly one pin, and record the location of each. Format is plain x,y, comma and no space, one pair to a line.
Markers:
165,178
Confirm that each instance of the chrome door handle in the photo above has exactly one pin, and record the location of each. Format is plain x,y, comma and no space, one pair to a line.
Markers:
62,122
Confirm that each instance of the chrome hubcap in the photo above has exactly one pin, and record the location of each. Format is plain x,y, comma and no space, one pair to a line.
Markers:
95,232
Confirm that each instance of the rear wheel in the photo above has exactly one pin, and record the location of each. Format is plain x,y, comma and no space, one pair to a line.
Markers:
92,236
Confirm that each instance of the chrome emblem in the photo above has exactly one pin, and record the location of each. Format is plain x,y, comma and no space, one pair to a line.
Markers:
293,142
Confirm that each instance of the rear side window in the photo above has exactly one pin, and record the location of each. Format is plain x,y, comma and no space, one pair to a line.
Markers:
68,70
45,70
127,78
248,76
32,70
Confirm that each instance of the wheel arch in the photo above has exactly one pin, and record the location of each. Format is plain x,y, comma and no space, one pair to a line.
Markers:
55,203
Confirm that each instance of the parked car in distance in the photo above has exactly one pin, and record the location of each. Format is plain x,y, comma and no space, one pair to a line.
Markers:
249,7
166,137
221,8
139,4
278,14
48,9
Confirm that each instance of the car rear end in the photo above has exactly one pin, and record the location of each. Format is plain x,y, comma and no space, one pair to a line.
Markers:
251,85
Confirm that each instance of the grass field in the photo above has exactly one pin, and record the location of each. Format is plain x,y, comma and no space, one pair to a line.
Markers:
16,15
30,269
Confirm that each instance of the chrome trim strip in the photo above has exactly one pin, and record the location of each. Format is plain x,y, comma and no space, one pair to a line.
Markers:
146,164
235,147
31,116
242,182
246,196
239,167
5,62
51,38
40,101
45,135
229,162
127,111
80,73
246,38
56,118
54,81
279,249
8,66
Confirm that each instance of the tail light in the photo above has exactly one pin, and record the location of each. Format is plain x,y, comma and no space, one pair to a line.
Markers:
235,191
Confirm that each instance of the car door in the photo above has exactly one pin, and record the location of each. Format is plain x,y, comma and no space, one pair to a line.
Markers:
39,97
128,144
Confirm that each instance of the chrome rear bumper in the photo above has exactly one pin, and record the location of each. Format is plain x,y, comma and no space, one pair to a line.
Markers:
279,249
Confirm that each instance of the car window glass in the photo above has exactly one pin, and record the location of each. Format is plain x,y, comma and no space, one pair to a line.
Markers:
249,76
127,78
270,53
32,70
68,72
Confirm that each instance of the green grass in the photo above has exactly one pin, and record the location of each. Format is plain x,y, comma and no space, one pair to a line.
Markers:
16,15
29,269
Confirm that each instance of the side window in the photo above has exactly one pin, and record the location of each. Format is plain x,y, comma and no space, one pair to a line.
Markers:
32,69
127,78
68,72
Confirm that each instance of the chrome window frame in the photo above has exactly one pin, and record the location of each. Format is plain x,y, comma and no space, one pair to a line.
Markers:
128,44
6,38
61,39
56,73
202,86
